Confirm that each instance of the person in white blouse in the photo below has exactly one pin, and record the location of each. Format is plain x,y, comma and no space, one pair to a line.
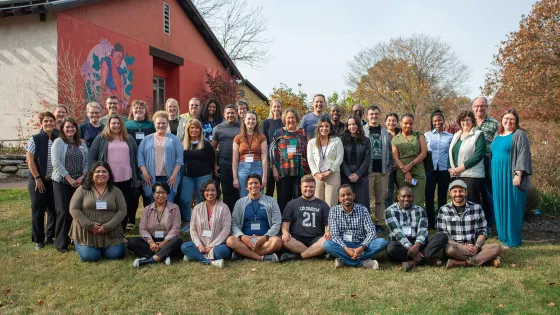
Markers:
324,154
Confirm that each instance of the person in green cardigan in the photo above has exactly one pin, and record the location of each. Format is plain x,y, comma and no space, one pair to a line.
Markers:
409,152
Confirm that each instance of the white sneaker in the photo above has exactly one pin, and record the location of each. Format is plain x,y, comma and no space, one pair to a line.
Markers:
370,264
338,263
218,263
186,259
168,261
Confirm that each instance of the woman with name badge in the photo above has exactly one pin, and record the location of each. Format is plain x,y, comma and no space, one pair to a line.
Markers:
269,126
160,157
115,146
210,228
288,155
98,208
249,153
357,156
409,151
392,125
160,238
325,153
70,164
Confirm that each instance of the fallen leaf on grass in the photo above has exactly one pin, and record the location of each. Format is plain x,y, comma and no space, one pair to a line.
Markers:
552,283
353,295
513,265
7,292
551,304
530,268
253,269
501,306
394,308
441,285
40,302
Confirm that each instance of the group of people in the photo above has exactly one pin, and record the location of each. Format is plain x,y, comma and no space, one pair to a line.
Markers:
329,176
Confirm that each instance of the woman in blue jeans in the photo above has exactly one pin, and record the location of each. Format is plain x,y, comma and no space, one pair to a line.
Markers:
210,227
200,155
249,153
98,208
160,157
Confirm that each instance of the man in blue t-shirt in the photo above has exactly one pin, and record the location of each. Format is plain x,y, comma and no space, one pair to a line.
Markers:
255,222
309,121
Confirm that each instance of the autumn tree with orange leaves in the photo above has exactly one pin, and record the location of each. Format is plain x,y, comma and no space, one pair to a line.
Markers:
526,70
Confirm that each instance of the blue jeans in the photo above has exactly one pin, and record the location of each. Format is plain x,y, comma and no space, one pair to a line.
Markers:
191,184
487,201
170,196
243,170
376,246
220,252
91,254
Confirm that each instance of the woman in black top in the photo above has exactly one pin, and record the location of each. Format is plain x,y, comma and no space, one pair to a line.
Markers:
357,156
269,126
210,116
199,156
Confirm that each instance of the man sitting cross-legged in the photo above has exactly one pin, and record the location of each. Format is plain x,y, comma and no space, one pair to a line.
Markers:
255,222
408,233
465,225
353,233
306,218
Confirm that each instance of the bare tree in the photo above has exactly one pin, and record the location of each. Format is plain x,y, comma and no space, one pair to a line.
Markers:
240,28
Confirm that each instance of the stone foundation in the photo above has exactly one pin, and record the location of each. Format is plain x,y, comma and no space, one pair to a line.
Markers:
13,166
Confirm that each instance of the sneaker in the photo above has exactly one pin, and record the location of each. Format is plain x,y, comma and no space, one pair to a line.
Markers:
327,256
408,265
186,228
289,256
186,258
270,258
139,262
62,250
168,261
235,256
130,227
218,263
379,229
370,264
39,246
338,263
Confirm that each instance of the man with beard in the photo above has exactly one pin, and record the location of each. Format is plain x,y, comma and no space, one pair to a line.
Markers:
408,233
337,125
465,225
354,241
306,218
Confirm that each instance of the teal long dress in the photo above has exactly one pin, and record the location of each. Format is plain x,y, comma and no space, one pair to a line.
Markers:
509,201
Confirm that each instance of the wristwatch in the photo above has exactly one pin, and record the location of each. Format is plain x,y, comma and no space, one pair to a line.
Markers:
412,163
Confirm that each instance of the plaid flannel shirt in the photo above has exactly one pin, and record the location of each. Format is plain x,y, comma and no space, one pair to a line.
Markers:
397,217
489,127
358,221
464,228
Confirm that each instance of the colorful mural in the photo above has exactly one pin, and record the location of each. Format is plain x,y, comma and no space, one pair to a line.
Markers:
108,71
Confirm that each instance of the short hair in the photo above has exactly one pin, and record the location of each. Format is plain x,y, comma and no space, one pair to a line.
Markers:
141,103
374,107
434,114
93,105
75,140
161,114
321,95
405,188
232,106
253,175
194,99
44,114
464,114
345,186
106,133
242,103
480,97
307,179
63,106
112,97
289,110
162,185
88,179
512,111
333,106
407,115
118,47
205,186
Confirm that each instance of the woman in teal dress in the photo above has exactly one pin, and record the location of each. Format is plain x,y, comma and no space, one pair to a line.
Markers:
511,169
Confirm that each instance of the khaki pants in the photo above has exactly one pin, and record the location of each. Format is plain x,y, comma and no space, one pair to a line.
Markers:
378,185
487,253
328,190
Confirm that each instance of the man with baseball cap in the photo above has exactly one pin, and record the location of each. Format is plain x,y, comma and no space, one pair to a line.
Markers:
465,225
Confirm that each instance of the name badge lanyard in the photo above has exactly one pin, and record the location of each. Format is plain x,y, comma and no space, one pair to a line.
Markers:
101,204
324,153
249,143
139,126
347,220
255,211
158,216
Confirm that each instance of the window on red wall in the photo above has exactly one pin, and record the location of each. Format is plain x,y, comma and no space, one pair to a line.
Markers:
166,19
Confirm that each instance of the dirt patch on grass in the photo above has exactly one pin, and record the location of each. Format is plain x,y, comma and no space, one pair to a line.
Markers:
541,227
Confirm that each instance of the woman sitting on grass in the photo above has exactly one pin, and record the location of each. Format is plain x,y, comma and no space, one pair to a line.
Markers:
159,230
98,208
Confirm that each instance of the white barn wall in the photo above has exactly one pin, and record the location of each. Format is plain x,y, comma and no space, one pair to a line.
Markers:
28,54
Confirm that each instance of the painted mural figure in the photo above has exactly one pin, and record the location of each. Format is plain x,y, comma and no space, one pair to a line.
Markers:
112,73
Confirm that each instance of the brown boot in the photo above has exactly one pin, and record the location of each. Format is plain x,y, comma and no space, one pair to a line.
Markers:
452,263
408,265
495,262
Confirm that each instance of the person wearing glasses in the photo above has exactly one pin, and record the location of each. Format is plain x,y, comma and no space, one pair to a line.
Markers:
358,110
112,105
242,109
392,125
309,121
194,110
159,230
92,127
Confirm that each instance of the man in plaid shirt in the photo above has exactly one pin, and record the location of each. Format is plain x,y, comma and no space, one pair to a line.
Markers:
465,225
408,233
353,241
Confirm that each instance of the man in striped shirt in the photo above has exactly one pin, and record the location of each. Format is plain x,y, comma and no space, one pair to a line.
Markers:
353,235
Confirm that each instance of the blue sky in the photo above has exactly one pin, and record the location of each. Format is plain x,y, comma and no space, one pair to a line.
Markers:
314,40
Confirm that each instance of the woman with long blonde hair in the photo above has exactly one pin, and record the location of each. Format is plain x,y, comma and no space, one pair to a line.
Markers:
200,155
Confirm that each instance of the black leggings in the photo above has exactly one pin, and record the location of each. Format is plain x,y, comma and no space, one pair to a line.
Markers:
288,189
62,196
141,248
131,199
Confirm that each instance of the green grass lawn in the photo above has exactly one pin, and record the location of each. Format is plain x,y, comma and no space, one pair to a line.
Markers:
48,282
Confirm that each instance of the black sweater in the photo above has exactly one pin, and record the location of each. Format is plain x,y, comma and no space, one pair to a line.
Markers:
199,162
